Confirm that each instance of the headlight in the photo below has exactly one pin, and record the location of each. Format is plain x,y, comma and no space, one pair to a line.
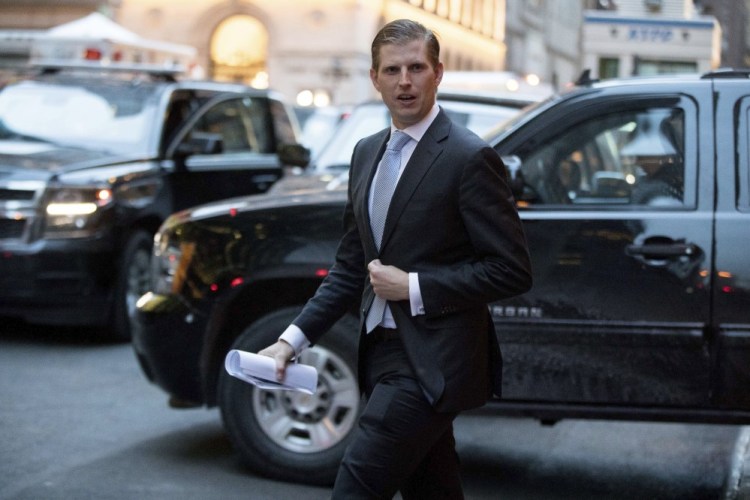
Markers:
75,212
170,263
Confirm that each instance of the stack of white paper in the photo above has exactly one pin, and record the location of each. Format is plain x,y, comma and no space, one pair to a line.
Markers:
261,372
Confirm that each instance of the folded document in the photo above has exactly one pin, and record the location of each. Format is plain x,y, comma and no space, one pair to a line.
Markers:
261,372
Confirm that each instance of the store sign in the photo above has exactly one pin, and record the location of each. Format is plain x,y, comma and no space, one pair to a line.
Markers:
659,34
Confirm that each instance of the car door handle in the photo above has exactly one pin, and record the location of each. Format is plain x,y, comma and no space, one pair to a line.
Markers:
662,250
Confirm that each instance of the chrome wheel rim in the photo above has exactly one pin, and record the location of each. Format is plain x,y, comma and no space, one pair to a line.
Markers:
303,423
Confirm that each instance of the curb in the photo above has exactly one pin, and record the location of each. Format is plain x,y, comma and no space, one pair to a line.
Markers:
738,482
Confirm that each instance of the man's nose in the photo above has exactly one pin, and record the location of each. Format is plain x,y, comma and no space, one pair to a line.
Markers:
404,78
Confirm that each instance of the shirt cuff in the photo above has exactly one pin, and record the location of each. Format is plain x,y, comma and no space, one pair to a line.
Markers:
295,338
415,295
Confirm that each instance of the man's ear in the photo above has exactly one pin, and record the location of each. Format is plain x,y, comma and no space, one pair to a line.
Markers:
374,79
439,73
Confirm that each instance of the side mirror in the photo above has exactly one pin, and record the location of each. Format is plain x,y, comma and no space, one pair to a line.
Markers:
200,143
295,155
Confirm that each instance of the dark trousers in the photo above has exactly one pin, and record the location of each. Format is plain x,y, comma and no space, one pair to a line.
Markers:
401,442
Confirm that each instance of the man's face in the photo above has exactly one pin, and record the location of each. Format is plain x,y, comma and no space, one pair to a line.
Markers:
406,81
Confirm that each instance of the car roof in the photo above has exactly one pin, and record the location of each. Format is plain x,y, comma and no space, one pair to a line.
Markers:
585,84
91,76
585,79
498,99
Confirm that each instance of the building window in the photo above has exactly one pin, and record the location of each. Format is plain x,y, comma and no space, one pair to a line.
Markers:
476,16
443,9
500,18
468,10
653,5
646,67
609,67
455,11
488,17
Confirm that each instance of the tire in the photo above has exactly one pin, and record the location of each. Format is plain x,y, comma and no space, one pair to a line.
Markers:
289,435
133,280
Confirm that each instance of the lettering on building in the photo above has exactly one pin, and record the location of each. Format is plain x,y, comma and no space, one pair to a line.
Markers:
658,34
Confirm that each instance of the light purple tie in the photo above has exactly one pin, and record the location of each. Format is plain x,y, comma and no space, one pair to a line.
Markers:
385,184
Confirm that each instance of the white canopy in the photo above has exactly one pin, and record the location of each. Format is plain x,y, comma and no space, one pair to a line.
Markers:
94,25
97,27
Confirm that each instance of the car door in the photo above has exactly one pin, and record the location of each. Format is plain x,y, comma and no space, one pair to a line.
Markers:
620,300
227,148
732,274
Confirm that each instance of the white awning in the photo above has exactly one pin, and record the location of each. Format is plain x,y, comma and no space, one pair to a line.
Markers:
97,27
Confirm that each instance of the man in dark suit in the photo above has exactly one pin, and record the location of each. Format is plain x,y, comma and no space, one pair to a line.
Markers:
422,260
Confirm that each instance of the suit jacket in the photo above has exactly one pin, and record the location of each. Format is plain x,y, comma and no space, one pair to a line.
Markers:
452,219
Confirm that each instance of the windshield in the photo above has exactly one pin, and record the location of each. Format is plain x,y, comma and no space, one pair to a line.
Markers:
110,116
364,120
494,134
367,119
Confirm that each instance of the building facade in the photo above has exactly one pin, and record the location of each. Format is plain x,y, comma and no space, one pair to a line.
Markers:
640,37
544,38
318,51
322,52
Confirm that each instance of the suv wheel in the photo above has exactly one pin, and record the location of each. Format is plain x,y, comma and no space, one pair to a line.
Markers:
291,435
133,281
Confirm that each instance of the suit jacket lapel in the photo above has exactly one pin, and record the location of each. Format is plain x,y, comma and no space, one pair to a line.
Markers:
369,174
427,152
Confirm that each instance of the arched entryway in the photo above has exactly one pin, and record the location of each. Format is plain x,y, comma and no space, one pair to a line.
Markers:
239,51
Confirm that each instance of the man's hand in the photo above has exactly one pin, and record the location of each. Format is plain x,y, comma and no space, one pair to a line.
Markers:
388,282
282,353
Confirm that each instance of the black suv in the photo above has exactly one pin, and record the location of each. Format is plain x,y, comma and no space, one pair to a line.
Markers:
92,163
635,196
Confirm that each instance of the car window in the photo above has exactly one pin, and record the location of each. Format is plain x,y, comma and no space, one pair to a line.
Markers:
742,130
364,120
479,118
624,159
182,104
284,129
240,122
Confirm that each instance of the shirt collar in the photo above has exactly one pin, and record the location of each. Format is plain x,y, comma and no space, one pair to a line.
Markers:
417,130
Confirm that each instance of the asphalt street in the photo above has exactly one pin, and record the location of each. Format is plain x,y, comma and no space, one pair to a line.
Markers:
80,421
